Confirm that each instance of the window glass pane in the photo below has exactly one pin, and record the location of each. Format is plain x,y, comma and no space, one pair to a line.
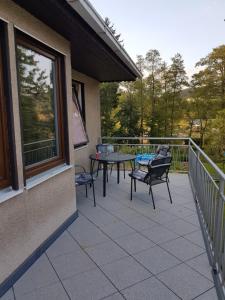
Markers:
79,133
37,90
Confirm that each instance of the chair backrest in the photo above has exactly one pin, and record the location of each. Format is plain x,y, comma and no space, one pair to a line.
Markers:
105,148
163,150
158,168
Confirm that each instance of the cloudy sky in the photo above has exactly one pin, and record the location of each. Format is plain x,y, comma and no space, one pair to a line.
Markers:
190,27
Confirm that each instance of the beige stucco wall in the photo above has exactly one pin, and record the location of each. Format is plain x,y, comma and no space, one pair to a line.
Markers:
93,124
28,219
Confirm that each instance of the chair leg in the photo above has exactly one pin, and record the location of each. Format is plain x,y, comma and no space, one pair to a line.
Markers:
97,169
86,190
93,187
111,170
153,201
135,185
131,188
169,192
124,171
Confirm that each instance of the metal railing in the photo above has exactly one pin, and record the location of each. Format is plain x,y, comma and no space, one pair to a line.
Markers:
135,145
208,186
39,151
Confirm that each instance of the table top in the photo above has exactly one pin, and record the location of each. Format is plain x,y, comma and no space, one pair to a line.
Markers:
113,157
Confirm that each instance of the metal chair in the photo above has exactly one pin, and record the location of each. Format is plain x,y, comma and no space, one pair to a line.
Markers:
108,148
157,173
84,178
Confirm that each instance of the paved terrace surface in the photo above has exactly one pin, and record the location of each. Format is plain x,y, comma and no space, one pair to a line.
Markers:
125,250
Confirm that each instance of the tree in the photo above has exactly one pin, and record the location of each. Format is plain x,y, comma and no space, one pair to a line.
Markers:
140,87
214,69
111,27
109,98
177,80
153,65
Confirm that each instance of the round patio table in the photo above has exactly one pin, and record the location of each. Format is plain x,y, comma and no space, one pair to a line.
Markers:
114,157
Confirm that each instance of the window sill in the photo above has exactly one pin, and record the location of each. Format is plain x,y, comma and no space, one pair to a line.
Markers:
42,177
9,193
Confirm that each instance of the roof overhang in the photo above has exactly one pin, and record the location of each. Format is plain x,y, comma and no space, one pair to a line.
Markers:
94,50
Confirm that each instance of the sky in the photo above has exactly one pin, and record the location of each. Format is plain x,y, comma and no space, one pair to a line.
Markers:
191,27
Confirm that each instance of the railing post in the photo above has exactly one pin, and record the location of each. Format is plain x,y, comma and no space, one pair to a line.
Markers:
218,227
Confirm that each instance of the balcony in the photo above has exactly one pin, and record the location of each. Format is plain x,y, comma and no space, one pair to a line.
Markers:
127,250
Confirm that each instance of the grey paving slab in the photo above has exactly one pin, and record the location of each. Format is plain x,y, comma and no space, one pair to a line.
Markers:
156,259
91,285
125,272
106,253
140,223
126,214
201,264
39,275
181,227
159,234
134,243
51,292
150,289
193,219
182,249
116,296
117,230
180,211
8,295
160,216
72,263
209,295
185,282
86,234
196,238
63,245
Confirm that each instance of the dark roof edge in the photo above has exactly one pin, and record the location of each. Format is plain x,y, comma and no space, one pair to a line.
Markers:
95,21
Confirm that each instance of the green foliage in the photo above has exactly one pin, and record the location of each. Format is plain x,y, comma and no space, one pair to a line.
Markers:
163,103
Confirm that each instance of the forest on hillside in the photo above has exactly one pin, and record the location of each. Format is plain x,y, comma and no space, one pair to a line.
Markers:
164,102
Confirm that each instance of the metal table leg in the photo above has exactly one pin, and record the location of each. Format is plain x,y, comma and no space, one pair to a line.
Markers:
118,172
104,178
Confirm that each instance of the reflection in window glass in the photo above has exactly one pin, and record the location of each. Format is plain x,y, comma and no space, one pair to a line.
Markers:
38,105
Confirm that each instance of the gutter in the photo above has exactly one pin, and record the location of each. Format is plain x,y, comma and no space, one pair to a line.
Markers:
96,22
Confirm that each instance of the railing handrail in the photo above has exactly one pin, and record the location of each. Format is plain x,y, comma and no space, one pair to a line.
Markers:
39,142
215,167
143,138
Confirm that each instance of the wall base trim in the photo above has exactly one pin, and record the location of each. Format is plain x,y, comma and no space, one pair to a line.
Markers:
9,282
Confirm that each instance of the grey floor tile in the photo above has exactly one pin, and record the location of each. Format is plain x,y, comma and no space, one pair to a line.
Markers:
134,243
196,238
8,295
72,263
140,223
116,296
181,227
160,216
150,289
87,234
209,295
40,274
125,272
91,285
201,264
64,244
51,292
126,214
185,282
182,249
106,253
180,211
117,230
159,234
156,260
193,219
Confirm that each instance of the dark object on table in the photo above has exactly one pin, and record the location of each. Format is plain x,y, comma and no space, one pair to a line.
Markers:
157,173
161,152
107,148
84,178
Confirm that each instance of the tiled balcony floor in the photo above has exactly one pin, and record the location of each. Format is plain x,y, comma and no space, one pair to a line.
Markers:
125,250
